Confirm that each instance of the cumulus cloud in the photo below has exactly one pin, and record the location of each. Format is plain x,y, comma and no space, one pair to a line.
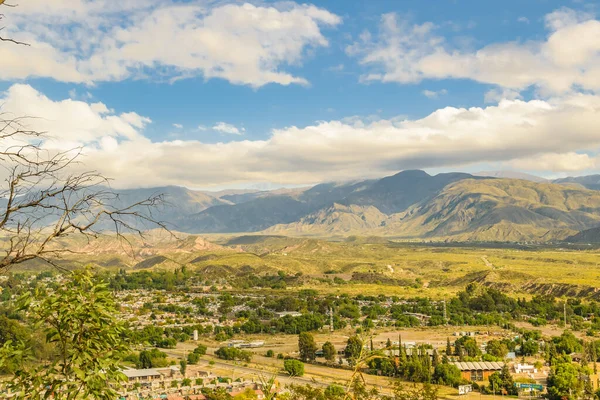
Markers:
433,94
84,41
178,126
224,127
568,58
533,135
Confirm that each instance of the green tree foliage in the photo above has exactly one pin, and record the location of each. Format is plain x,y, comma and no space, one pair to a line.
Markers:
564,381
567,343
307,347
79,321
447,374
502,381
329,351
496,348
530,348
466,346
183,366
353,349
193,358
334,392
232,353
200,350
293,367
153,358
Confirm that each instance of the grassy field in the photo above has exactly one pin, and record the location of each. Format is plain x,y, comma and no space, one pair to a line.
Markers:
403,269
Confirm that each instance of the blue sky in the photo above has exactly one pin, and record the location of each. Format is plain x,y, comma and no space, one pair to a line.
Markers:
339,85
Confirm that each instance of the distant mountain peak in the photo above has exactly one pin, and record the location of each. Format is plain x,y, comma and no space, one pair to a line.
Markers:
511,175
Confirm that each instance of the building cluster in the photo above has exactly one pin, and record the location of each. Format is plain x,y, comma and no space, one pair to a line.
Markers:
168,383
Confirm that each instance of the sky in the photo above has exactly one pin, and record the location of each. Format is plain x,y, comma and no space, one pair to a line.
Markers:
213,94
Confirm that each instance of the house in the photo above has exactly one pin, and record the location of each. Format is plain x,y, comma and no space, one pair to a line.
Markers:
423,319
148,378
525,369
151,378
290,313
478,371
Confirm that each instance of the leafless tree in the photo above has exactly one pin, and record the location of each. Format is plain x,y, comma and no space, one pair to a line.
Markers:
43,198
2,16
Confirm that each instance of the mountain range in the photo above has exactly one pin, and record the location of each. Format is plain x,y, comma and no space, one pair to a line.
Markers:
487,206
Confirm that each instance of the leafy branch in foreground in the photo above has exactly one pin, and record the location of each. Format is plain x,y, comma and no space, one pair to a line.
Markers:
79,322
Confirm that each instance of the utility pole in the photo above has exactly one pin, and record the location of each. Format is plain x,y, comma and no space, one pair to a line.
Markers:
331,319
445,313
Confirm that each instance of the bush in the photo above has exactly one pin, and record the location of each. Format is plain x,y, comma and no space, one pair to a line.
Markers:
232,353
193,358
270,353
293,367
200,350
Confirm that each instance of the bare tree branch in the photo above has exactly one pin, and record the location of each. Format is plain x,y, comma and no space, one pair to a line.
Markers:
2,16
42,199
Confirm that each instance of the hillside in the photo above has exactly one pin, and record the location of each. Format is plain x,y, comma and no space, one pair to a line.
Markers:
502,210
467,210
588,236
591,182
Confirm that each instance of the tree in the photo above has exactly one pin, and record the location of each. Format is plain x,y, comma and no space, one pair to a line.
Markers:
79,321
503,381
567,343
183,365
232,353
193,358
307,347
564,381
293,367
44,199
466,345
270,353
329,351
447,374
530,348
145,360
353,349
496,348
200,350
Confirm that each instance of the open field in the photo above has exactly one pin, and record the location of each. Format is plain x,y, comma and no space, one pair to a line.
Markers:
357,266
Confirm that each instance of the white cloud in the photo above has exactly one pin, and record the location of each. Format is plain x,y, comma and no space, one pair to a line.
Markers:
406,53
497,94
224,127
557,162
433,94
202,128
84,41
533,135
178,126
524,20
